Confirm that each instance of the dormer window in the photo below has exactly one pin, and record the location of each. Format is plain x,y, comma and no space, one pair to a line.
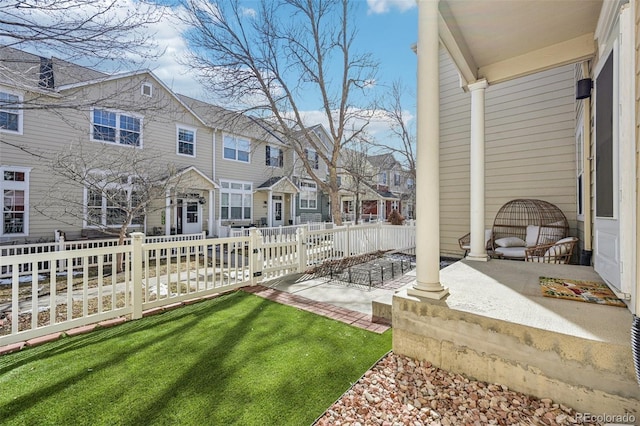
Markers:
146,89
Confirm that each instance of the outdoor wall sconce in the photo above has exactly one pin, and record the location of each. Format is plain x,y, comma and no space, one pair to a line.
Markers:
583,88
202,200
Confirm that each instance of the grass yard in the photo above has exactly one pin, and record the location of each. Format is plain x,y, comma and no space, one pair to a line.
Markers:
238,359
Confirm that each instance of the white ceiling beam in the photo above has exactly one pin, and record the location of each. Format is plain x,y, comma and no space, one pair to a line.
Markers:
566,52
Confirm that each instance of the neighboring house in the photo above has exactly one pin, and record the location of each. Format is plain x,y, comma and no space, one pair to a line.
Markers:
312,203
230,169
506,110
95,112
374,186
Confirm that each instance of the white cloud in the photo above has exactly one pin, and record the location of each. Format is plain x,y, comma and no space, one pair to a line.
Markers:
384,6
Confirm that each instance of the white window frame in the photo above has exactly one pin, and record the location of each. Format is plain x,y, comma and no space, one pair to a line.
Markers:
246,198
236,142
8,185
382,178
148,86
397,179
308,194
193,130
17,112
580,183
117,127
309,152
128,188
278,157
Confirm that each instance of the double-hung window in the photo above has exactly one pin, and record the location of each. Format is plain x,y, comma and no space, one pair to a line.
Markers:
308,195
236,148
116,127
396,178
382,178
274,157
14,186
109,205
10,113
186,141
236,199
312,158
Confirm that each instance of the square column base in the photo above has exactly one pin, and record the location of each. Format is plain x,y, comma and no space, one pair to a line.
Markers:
434,295
481,258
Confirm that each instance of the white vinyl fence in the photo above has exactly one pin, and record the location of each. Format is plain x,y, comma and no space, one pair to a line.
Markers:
49,290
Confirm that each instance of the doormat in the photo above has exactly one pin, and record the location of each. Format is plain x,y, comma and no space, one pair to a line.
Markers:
582,291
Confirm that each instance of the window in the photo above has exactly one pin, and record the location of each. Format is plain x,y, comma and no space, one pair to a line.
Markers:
115,127
236,148
109,207
312,158
409,182
146,89
308,195
396,178
579,171
236,199
274,157
14,187
382,178
186,141
10,113
339,182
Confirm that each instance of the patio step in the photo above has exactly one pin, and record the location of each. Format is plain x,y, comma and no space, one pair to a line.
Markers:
496,326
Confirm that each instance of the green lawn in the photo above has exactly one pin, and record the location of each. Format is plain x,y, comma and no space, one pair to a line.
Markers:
238,359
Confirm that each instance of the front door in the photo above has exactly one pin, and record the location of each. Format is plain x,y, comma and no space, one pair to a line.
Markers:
278,218
607,207
191,217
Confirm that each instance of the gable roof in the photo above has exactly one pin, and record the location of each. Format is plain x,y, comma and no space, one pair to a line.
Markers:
275,181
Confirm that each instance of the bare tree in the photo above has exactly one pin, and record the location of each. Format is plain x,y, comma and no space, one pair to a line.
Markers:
276,57
359,174
85,30
402,129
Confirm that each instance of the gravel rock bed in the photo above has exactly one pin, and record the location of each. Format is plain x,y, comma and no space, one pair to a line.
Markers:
399,391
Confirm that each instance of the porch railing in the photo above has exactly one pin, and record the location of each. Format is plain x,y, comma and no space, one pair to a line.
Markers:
49,290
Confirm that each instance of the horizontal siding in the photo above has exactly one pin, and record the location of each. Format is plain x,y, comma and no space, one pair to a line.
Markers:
529,147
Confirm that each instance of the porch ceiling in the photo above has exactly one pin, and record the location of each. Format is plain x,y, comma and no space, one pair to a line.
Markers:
504,39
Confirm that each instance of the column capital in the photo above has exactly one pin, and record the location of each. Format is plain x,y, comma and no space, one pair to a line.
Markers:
478,85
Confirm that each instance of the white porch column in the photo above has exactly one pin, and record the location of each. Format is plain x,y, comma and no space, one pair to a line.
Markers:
211,231
292,208
478,249
167,213
269,213
428,157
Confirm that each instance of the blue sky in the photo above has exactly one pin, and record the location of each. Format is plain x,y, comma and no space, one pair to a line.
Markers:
386,28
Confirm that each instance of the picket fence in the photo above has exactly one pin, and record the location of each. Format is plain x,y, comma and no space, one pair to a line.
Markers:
48,291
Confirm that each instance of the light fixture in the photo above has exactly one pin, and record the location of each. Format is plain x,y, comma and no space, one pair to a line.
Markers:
583,88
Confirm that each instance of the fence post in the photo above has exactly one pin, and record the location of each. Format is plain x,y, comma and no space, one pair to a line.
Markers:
301,238
255,264
348,240
137,259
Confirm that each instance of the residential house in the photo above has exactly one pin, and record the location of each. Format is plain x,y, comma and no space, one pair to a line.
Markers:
50,106
224,169
506,109
374,186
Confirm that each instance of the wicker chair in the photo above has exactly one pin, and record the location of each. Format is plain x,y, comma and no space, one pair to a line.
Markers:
523,223
558,252
465,242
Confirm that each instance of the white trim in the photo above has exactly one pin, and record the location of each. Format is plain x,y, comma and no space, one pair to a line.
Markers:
18,186
119,114
195,135
606,22
236,138
145,85
18,111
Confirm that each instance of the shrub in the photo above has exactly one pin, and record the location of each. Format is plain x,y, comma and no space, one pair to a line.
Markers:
395,218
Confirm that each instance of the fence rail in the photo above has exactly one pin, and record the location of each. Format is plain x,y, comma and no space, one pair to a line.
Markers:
48,289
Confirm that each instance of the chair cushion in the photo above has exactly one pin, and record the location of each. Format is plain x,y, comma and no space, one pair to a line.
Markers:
511,252
532,235
510,242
